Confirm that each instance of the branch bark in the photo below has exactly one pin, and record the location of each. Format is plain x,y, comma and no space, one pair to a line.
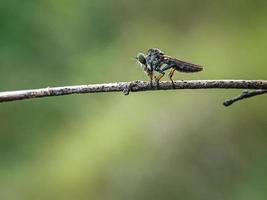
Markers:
244,95
134,86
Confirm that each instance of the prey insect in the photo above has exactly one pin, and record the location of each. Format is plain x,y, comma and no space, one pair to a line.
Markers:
156,60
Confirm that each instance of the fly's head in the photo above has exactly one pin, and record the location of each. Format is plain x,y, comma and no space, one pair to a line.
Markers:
141,59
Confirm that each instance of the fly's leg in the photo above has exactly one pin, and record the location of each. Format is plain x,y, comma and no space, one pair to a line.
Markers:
150,74
157,78
170,75
166,67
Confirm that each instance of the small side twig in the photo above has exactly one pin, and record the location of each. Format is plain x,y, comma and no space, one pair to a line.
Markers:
245,94
128,87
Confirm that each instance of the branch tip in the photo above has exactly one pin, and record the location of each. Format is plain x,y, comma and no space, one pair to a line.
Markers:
244,95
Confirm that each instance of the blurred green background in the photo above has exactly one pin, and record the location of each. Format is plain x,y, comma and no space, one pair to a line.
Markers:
149,145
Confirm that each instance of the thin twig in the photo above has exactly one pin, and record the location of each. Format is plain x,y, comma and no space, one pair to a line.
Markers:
245,94
134,86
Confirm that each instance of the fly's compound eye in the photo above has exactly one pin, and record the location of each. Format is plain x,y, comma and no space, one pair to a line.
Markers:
141,58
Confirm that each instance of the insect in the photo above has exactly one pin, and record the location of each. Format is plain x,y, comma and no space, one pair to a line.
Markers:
157,60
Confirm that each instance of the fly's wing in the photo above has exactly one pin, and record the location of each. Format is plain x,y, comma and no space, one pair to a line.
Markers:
180,65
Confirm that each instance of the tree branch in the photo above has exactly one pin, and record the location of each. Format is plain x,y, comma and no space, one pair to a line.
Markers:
244,95
134,86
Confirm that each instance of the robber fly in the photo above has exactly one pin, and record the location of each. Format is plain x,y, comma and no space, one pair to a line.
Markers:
156,60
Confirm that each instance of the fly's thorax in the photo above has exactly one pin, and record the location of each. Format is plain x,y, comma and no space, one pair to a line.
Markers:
154,51
154,59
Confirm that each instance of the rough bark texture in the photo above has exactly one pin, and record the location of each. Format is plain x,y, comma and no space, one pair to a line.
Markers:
134,86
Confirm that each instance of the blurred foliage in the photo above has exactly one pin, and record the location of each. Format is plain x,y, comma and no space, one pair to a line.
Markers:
152,145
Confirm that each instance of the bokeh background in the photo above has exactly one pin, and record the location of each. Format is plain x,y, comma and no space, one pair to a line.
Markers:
149,145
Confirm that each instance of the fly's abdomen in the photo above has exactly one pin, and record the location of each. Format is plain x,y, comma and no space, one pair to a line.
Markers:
185,66
189,68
